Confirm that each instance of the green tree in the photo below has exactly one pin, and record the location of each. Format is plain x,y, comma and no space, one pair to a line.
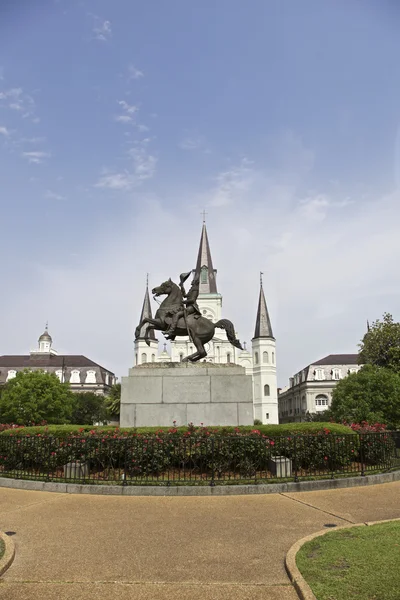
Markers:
372,394
35,396
113,400
381,344
89,409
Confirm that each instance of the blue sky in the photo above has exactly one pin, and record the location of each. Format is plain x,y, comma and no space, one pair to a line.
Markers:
120,121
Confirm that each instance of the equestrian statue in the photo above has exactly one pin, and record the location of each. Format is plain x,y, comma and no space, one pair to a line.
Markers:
179,315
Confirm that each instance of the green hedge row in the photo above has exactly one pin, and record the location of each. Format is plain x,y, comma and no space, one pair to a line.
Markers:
62,431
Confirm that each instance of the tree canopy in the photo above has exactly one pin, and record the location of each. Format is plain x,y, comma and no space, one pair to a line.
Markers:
113,400
36,396
89,408
381,344
372,394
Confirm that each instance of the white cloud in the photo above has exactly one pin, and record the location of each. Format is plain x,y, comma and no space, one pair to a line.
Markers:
4,131
131,109
192,143
17,100
101,29
50,195
134,73
231,184
116,181
144,163
123,119
36,157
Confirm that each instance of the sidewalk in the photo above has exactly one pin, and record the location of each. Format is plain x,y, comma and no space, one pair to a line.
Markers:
88,547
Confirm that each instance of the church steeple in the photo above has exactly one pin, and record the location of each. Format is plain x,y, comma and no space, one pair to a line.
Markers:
204,266
263,327
146,313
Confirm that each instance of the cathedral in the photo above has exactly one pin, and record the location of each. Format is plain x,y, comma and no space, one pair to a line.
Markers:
260,363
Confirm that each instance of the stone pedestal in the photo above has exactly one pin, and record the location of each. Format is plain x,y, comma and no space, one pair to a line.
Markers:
159,394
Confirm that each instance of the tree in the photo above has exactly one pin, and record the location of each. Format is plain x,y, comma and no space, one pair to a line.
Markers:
113,400
89,409
35,396
372,394
381,344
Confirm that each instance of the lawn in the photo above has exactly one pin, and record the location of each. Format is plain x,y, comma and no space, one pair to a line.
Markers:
361,562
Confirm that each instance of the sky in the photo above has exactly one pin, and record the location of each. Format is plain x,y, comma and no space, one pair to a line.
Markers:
122,120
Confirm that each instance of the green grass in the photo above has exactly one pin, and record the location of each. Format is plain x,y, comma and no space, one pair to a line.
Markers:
2,548
361,562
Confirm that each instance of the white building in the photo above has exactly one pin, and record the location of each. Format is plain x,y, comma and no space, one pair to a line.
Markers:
260,363
83,374
310,390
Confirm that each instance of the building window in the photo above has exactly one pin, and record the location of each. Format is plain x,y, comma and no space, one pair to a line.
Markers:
273,358
144,357
353,370
336,374
153,358
266,389
107,378
319,374
204,275
228,357
11,374
256,358
75,376
321,402
265,357
267,416
60,375
90,377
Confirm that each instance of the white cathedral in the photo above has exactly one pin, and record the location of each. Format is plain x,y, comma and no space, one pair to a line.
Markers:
260,363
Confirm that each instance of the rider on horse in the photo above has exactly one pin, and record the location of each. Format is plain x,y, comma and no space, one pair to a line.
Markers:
189,306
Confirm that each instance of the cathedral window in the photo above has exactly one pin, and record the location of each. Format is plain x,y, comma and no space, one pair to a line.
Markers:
11,374
265,357
228,357
153,358
273,358
181,357
136,360
144,357
204,275
266,390
75,376
90,377
256,357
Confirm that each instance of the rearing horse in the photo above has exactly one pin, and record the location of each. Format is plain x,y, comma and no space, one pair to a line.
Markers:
200,329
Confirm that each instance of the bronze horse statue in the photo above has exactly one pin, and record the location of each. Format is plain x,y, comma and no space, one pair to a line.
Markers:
199,329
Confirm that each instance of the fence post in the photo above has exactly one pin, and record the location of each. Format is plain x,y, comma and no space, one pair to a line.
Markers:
296,479
212,483
362,455
125,461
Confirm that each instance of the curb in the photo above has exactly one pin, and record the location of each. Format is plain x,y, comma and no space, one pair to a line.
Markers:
302,588
9,553
193,490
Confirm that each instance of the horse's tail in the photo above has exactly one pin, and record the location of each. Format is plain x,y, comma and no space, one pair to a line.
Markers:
230,332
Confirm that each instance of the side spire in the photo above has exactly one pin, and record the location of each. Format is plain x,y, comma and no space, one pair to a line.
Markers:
146,313
204,266
263,327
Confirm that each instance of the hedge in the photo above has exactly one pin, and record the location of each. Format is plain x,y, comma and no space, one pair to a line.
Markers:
61,431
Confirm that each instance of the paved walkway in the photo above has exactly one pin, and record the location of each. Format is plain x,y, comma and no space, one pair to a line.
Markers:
219,548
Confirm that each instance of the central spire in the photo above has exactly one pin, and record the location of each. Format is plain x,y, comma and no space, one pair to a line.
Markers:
204,266
146,313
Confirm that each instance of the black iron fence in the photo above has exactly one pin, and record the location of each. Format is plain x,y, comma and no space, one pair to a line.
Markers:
196,459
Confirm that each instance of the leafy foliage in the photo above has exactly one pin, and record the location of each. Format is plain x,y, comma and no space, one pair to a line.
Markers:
381,344
371,395
89,408
35,396
113,400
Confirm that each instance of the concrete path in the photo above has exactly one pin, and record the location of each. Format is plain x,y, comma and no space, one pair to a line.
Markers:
87,547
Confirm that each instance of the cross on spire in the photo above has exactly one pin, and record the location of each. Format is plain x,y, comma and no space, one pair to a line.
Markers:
261,278
204,214
147,280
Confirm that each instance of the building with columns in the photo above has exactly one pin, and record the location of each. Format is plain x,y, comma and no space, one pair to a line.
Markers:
83,374
260,363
